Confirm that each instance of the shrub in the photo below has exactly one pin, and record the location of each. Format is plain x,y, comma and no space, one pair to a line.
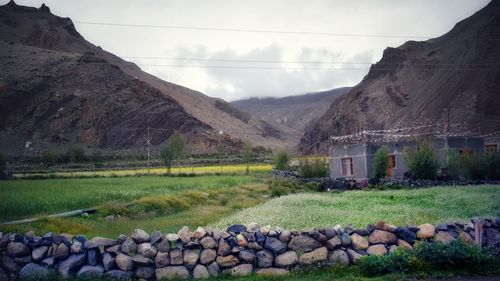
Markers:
380,162
52,156
313,169
422,161
3,163
453,164
474,167
282,161
493,166
75,153
173,150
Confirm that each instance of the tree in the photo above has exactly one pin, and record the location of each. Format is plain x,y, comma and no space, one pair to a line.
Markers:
51,156
453,164
380,162
75,153
282,161
3,163
422,161
247,154
173,150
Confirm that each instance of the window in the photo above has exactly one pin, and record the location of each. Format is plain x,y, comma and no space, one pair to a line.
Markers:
347,170
464,155
391,161
490,148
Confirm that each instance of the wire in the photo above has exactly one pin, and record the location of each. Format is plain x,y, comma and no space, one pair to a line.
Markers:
251,30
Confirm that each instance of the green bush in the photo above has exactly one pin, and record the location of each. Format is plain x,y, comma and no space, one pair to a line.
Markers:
422,161
173,150
398,261
52,156
453,164
281,161
3,163
493,166
75,153
313,169
380,163
474,167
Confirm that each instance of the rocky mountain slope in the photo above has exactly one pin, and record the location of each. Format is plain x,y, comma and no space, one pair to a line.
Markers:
292,114
415,82
57,88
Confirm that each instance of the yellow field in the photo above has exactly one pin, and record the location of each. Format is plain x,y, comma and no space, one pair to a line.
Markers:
237,169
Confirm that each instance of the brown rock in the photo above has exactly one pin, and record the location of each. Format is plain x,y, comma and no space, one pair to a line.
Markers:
227,261
286,259
405,245
339,256
241,270
200,272
333,243
353,255
176,257
172,272
199,233
162,259
184,234
318,255
426,231
18,249
303,243
124,262
359,242
240,239
382,237
443,237
377,250
61,251
464,236
271,271
190,258
224,248
207,256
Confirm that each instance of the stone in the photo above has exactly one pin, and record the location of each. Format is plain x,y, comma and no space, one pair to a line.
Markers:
330,233
80,238
69,266
208,242
207,256
199,233
33,271
39,253
76,247
124,262
285,236
241,240
345,239
265,229
108,261
425,231
275,245
89,271
303,243
164,245
144,272
93,256
241,270
406,234
246,256
359,242
141,260
253,227
392,248
113,249
156,237
377,250
316,256
110,217
254,246
200,272
176,257
99,242
119,274
286,259
214,269
353,255
190,258
17,250
140,236
441,227
224,248
465,237
49,262
405,245
382,237
23,260
147,250
362,231
443,237
271,271
8,263
61,252
184,234
129,246
264,258
162,259
333,243
339,256
236,228
227,261
172,237
3,274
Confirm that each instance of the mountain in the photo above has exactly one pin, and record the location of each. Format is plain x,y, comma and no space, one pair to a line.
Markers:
57,88
291,114
416,82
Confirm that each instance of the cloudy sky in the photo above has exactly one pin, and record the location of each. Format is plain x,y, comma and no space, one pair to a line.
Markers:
236,64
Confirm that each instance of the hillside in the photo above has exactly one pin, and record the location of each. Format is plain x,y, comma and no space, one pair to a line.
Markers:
292,114
415,82
57,88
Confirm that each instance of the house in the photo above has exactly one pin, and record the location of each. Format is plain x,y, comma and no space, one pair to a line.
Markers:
355,159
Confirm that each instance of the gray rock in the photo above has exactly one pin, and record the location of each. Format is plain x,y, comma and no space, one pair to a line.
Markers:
285,236
33,271
330,233
333,243
353,255
93,256
208,242
339,256
89,271
8,263
264,259
224,248
162,259
275,245
207,256
317,256
272,272
3,274
119,274
156,237
140,260
286,259
108,261
164,246
144,272
121,238
359,242
254,246
199,233
240,270
253,227
69,266
303,243
246,256
172,237
39,253
140,236
236,229
345,240
61,251
147,250
124,262
114,249
76,247
184,234
190,258
176,257
200,272
49,262
17,249
171,272
227,261
214,269
99,242
23,260
129,246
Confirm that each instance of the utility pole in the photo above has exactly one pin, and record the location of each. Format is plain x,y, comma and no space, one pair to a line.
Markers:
148,146
447,121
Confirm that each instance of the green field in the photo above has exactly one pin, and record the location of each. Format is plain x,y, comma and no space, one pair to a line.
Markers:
399,207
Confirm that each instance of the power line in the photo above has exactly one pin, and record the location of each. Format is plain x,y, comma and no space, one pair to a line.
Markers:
294,32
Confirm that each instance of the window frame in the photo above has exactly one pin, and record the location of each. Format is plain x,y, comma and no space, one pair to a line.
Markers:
344,172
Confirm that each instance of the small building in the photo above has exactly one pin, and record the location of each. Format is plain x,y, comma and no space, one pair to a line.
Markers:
355,160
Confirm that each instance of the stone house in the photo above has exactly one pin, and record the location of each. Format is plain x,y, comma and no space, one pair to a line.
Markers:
355,160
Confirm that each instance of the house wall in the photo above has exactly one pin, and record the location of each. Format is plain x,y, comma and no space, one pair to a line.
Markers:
358,154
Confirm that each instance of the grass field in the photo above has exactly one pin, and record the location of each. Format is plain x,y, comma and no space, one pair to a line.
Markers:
399,207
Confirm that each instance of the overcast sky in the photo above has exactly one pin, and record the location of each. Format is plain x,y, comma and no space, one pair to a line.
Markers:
410,19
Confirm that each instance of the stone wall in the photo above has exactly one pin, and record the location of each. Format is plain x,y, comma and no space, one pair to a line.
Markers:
239,250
